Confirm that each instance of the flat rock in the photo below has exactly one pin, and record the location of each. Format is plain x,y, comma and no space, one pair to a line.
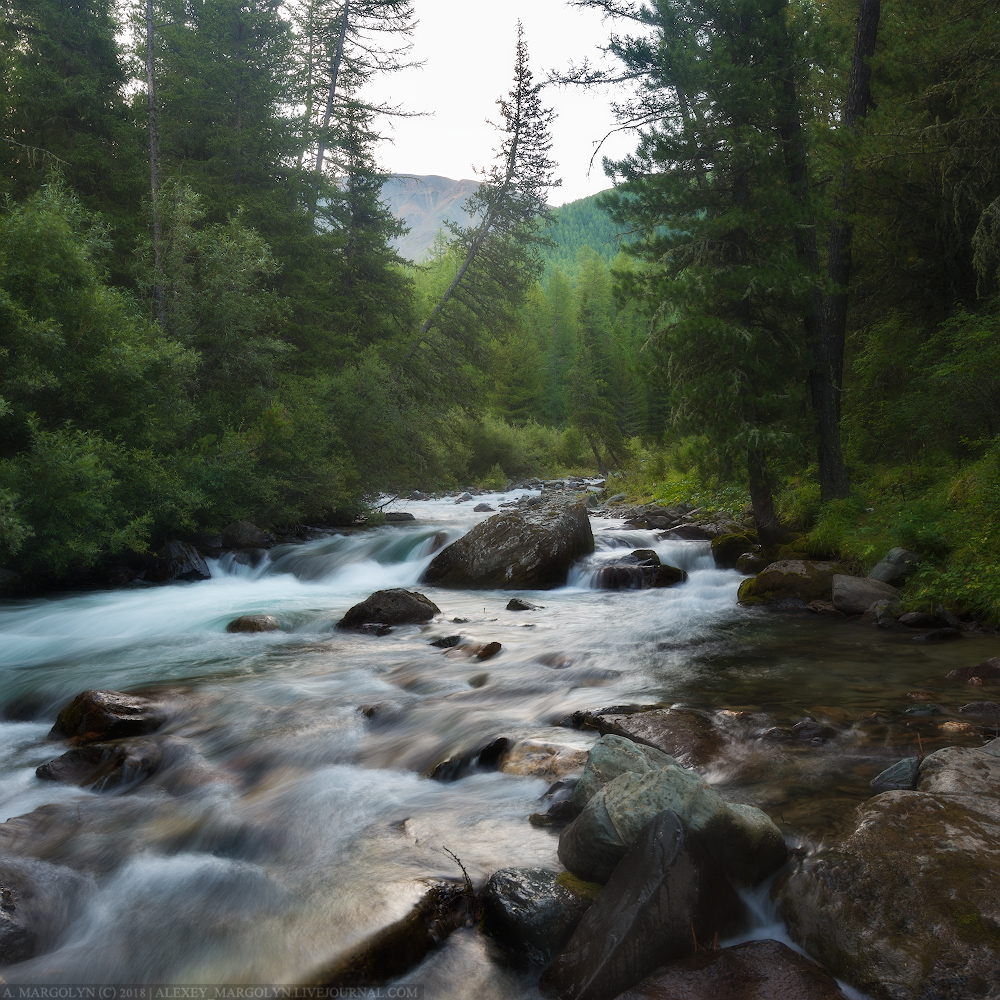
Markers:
854,595
254,623
792,579
666,891
681,733
531,549
908,907
755,970
395,516
390,607
107,715
531,912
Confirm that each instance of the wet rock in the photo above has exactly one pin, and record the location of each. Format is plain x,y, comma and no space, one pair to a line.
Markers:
375,628
395,516
750,563
824,608
939,635
638,570
474,650
446,642
391,607
727,549
895,567
531,549
396,949
558,815
791,579
531,912
854,594
982,709
487,758
880,613
987,672
539,759
483,508
742,839
417,495
908,906
690,532
612,756
463,498
920,619
683,733
104,766
254,623
666,890
901,776
516,604
243,535
107,715
755,970
805,731
178,561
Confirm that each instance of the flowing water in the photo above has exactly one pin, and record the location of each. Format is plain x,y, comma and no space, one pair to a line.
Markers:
293,814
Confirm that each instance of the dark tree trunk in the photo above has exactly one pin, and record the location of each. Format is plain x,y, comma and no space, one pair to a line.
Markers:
154,181
769,529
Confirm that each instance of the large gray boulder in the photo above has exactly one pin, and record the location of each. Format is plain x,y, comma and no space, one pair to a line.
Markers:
611,756
743,840
908,907
854,595
895,567
531,549
791,579
390,607
666,890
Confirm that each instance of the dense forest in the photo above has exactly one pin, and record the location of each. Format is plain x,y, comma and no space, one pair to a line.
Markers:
789,298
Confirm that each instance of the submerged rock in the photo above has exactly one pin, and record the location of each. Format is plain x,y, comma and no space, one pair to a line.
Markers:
530,549
396,949
531,912
908,907
987,672
755,970
103,766
791,579
254,623
390,607
666,891
107,715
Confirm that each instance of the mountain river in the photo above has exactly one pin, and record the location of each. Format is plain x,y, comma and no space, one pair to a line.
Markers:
293,814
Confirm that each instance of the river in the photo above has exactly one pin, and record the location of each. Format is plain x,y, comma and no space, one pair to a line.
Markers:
292,815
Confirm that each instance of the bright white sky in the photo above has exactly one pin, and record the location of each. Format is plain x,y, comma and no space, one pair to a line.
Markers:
468,48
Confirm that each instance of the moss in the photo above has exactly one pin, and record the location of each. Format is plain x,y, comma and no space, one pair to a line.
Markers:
586,890
748,595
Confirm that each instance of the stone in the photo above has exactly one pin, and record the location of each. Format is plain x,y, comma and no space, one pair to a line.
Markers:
464,497
617,498
880,613
104,766
391,607
531,912
377,629
516,604
396,949
754,970
682,733
939,635
396,516
908,906
178,561
895,567
824,608
254,623
483,508
900,776
791,579
986,672
666,892
742,839
920,619
640,569
804,731
727,549
611,756
539,759
982,709
417,495
855,594
690,533
522,549
106,715
750,563
243,535
447,642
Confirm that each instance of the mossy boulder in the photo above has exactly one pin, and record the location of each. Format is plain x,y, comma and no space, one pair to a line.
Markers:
727,549
908,907
802,580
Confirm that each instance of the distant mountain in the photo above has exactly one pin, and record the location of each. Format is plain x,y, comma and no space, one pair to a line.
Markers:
424,203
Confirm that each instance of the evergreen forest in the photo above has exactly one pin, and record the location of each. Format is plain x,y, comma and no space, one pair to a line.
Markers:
789,299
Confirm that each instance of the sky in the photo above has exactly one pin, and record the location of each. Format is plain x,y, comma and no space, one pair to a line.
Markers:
468,49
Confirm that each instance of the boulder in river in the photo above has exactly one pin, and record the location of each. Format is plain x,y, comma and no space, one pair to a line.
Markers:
987,672
517,549
397,516
920,619
243,535
754,970
681,732
107,715
531,912
611,756
854,595
517,604
483,508
540,759
792,579
640,569
895,567
900,776
727,549
254,623
396,949
178,561
908,907
666,894
103,766
390,607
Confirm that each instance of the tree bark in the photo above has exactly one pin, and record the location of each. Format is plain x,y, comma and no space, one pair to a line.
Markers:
154,180
769,529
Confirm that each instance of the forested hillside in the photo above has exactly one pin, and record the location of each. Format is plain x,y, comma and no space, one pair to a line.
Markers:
788,298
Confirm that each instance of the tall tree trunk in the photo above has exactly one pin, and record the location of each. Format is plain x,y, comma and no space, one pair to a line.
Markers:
832,319
154,180
769,529
338,55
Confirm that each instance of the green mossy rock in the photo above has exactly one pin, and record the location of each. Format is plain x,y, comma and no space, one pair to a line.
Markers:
726,549
791,579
